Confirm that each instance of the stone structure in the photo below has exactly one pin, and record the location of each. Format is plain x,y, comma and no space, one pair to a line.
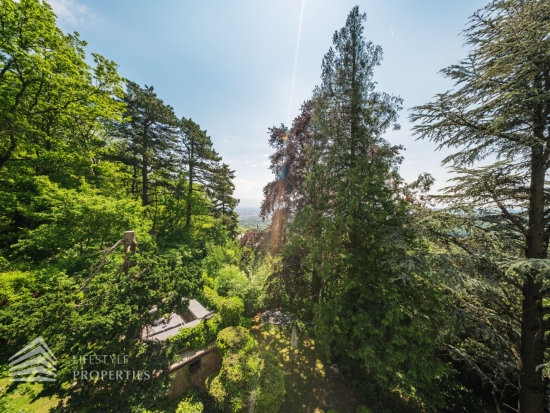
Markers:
194,366
193,369
164,328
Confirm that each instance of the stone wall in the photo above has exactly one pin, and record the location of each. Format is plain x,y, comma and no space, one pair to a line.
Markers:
184,380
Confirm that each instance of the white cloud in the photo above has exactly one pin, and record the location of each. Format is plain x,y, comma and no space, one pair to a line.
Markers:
248,191
69,11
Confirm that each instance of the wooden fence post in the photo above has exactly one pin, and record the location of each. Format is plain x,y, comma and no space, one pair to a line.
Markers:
129,241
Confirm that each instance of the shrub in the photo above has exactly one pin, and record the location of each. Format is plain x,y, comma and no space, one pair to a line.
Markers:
213,326
245,372
211,298
245,322
271,388
230,389
363,409
231,310
191,403
332,411
231,282
235,340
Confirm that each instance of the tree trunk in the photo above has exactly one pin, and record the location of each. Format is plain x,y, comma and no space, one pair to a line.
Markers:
316,285
6,156
145,179
190,189
531,389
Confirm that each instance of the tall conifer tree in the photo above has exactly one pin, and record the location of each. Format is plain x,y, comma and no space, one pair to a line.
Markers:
369,310
199,156
501,112
149,136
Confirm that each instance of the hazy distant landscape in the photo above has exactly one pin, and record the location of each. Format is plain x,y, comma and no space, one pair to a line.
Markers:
249,218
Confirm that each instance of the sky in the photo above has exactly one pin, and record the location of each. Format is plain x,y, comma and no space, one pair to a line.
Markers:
229,65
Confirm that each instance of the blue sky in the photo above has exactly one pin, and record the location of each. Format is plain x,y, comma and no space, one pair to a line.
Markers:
228,65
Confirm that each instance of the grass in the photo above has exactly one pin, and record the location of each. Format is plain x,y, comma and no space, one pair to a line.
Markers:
24,397
311,386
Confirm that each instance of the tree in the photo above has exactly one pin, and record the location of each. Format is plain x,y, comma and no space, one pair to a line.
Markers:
148,137
104,314
501,112
199,156
221,192
46,86
362,259
287,192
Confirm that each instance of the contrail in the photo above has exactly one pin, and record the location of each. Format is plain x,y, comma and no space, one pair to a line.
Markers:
295,63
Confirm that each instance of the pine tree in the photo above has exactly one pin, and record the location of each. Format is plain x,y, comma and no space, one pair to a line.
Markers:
200,158
500,112
149,136
221,191
371,292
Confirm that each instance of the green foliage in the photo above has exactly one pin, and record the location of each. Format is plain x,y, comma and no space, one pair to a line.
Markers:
235,340
147,136
232,282
211,298
350,248
497,114
103,318
197,337
231,310
247,377
74,175
51,97
363,409
191,403
76,223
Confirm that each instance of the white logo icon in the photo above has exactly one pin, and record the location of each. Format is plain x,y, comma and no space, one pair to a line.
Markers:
35,362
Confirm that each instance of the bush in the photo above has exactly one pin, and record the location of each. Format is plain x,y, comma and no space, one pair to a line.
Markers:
231,310
246,374
231,282
235,340
211,298
230,389
271,389
363,409
191,403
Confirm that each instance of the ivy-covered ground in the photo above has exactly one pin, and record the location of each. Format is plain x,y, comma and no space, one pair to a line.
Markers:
311,386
